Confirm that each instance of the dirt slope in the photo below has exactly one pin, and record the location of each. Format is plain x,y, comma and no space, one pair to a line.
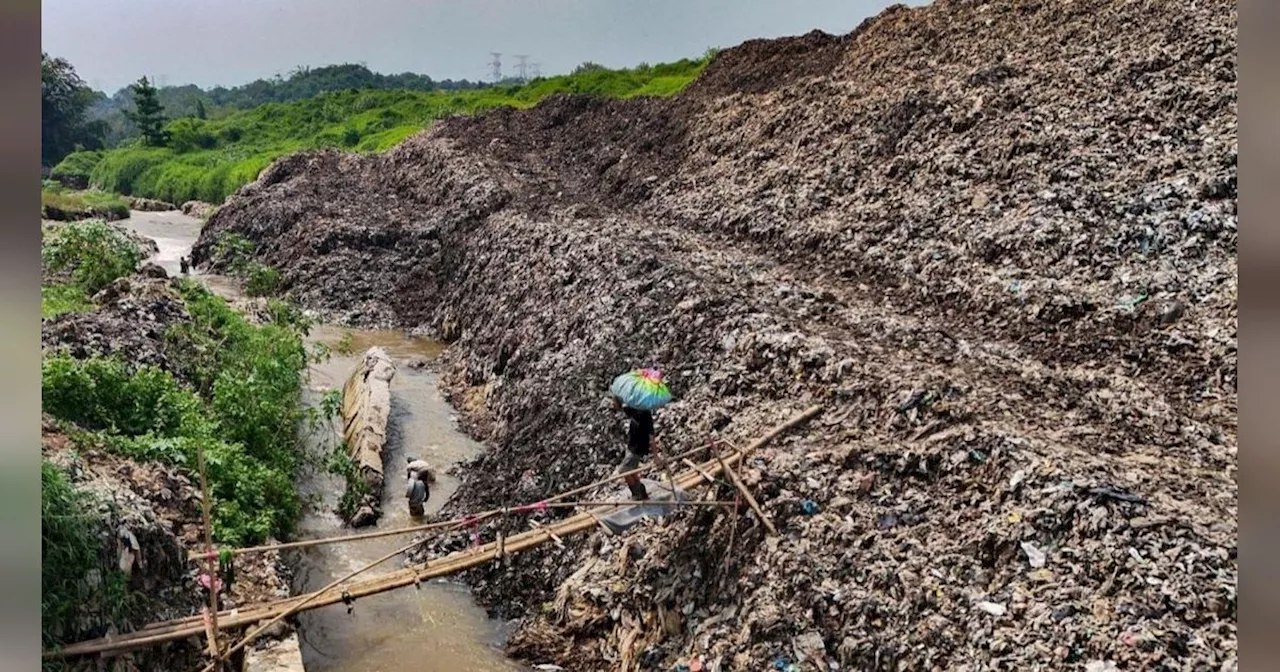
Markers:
997,239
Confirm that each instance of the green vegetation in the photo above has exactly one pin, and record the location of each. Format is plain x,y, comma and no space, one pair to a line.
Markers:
59,204
74,170
79,259
236,396
64,105
346,344
339,463
58,299
209,159
234,253
262,281
148,113
302,82
91,254
80,579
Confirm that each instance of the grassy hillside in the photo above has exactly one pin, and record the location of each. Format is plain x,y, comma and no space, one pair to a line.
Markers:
209,159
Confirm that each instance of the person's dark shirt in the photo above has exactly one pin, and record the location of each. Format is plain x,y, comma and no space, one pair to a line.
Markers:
639,430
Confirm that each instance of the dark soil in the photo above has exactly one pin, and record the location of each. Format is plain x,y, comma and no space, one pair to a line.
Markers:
997,240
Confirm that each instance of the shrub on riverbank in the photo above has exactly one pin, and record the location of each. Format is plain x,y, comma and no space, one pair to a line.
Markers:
74,170
213,158
78,259
89,254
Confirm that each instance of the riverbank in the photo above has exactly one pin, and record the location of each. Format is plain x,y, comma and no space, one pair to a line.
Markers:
144,377
436,628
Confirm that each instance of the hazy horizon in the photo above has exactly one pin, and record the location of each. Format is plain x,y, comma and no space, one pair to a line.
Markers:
111,43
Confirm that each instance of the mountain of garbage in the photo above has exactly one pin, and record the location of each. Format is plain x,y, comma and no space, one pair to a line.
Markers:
997,239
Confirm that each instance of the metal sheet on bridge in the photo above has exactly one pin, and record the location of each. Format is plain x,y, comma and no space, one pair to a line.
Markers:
627,516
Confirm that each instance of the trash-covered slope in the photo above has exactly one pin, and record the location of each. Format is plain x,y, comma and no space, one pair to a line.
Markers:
997,239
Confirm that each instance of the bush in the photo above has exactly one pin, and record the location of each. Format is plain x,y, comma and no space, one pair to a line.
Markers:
94,253
234,253
262,280
82,587
74,171
189,134
107,394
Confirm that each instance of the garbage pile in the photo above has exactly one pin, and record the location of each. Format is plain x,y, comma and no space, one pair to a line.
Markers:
996,240
132,316
149,204
198,209
149,518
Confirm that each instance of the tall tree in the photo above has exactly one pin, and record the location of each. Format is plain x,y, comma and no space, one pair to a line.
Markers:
200,113
64,98
148,113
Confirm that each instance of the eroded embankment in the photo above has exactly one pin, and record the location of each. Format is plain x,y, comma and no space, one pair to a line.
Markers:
142,379
997,239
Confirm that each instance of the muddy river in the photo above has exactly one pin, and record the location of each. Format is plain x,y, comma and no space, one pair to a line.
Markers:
435,628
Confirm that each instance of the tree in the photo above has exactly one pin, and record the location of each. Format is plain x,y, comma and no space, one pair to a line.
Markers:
148,113
64,99
587,66
200,113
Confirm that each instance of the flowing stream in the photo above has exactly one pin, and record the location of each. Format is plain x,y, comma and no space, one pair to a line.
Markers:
435,628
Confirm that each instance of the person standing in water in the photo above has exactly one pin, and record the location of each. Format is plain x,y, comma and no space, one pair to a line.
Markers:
419,489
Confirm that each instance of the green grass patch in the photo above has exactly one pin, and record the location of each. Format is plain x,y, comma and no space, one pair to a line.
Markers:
60,204
57,299
210,159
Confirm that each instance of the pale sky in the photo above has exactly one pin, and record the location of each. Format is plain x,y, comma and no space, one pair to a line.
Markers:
229,42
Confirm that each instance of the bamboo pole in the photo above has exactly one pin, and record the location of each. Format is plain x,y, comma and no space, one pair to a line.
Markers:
733,532
283,614
446,566
437,525
209,565
646,502
689,463
746,494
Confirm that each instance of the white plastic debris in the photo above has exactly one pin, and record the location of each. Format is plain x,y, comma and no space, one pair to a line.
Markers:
993,608
1035,556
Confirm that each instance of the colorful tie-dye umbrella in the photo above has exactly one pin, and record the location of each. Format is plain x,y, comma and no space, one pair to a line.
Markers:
641,389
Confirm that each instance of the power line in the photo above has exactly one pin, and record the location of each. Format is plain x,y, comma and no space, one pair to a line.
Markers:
522,68
535,70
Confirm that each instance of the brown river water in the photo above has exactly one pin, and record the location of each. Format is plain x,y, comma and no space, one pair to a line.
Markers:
432,629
